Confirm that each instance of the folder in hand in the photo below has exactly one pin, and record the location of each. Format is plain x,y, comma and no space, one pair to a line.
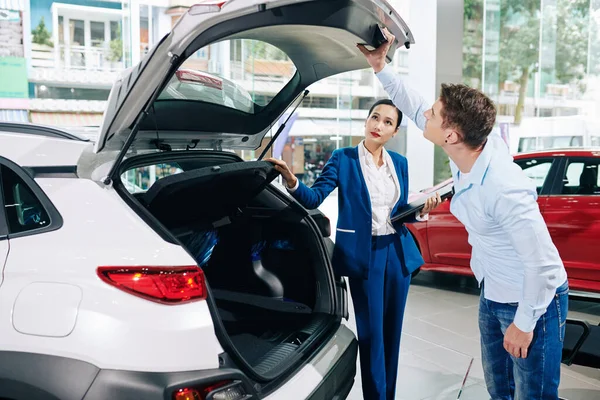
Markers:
416,202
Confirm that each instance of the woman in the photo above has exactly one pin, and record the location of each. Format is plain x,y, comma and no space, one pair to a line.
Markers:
377,257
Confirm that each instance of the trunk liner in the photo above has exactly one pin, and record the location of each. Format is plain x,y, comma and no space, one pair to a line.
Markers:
251,347
266,331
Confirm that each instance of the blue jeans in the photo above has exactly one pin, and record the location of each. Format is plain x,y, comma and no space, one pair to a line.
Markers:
538,375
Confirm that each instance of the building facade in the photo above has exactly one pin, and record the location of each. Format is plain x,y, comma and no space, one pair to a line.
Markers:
78,49
537,59
14,94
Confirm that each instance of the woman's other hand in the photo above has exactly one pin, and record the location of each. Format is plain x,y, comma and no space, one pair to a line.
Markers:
284,170
430,204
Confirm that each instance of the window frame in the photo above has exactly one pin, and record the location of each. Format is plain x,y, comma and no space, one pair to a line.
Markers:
550,177
56,220
557,188
3,222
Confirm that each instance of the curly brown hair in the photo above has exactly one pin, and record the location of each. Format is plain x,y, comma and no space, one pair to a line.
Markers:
469,111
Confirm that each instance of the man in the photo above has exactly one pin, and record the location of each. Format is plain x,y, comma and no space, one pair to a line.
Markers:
523,305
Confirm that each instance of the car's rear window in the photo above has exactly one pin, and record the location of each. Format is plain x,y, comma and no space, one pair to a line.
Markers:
140,179
241,74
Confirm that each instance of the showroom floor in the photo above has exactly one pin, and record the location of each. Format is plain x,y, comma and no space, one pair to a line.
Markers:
440,336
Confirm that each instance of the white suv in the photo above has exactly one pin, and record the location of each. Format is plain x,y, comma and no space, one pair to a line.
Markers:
155,263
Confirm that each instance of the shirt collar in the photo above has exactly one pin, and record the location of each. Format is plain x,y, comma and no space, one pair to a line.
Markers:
479,169
368,157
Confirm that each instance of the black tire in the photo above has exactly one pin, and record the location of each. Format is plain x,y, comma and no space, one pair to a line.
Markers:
416,272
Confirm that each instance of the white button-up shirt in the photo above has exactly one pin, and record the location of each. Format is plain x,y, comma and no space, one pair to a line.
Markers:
496,202
383,187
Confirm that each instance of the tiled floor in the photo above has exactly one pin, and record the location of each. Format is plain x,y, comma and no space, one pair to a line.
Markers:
440,336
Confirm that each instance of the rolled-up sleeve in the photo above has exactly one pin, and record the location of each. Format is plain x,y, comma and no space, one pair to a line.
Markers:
517,212
406,99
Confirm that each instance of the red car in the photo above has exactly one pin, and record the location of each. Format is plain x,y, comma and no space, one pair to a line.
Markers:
568,185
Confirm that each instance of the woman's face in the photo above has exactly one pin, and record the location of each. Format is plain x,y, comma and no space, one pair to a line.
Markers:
381,124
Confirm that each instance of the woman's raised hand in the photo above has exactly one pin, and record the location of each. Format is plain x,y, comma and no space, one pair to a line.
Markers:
431,203
285,172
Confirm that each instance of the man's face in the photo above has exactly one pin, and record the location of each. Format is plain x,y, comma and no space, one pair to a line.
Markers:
434,132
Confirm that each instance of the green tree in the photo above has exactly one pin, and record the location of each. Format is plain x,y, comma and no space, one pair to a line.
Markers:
519,45
116,46
472,41
263,51
572,40
41,34
473,9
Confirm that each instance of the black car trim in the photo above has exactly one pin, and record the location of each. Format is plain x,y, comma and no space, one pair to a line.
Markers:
44,377
38,130
556,187
56,220
55,171
121,385
3,222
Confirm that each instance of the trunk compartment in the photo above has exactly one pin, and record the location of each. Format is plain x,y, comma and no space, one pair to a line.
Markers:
268,271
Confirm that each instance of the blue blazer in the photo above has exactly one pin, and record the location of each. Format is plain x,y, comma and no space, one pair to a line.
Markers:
352,252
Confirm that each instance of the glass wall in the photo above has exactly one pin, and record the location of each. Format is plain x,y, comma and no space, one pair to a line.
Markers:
539,61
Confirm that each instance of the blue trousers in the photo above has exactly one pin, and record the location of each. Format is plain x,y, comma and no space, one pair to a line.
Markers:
535,377
379,308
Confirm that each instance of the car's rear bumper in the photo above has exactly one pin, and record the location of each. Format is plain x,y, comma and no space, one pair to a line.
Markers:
329,374
326,376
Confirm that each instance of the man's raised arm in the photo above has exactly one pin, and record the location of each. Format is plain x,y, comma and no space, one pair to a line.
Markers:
406,99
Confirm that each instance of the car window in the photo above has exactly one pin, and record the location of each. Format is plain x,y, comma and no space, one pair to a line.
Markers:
581,178
23,210
256,68
537,170
140,179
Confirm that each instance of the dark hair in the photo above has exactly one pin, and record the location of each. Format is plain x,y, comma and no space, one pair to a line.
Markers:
469,111
387,102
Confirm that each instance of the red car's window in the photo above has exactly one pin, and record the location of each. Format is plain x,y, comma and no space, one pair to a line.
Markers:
581,178
537,170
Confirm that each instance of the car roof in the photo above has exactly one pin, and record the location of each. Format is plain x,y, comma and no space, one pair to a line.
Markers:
31,145
563,152
39,130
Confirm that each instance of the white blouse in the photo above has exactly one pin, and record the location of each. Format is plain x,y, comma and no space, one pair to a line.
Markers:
383,187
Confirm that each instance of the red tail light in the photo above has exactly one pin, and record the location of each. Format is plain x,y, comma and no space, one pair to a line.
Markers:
167,285
224,390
